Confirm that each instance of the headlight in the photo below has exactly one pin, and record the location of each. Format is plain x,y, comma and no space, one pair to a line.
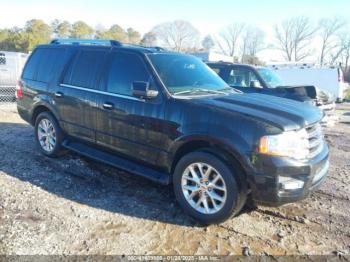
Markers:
294,144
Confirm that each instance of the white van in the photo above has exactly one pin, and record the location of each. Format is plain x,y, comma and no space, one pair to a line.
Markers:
11,66
329,79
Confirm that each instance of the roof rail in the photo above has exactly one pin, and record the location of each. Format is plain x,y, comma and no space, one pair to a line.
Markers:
76,41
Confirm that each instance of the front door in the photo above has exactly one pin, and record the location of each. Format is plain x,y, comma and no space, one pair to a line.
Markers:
126,124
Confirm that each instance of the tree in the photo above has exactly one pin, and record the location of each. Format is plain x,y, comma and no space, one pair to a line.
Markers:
81,30
35,32
208,42
63,29
345,53
178,35
13,40
115,32
252,42
228,39
149,39
329,27
134,37
294,37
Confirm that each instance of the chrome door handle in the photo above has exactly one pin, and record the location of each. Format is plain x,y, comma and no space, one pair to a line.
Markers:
58,94
108,106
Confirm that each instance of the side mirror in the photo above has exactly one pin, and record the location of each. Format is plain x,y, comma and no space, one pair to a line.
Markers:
141,89
255,84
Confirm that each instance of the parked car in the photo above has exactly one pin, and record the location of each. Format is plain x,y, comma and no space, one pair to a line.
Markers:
167,117
11,65
262,80
326,78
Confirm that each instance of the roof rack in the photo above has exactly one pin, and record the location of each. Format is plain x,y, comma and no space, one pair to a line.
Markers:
74,41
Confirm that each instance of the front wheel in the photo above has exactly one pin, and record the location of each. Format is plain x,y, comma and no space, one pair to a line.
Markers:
206,188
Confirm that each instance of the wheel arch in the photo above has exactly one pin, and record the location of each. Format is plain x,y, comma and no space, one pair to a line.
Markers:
40,107
225,151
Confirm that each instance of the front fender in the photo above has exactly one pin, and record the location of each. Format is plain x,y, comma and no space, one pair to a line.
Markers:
235,145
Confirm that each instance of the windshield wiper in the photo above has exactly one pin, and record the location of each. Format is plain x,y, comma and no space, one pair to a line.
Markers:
196,90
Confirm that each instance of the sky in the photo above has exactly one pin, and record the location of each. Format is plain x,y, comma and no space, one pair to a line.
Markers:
209,17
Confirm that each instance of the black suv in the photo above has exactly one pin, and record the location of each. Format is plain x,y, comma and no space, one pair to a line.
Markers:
168,117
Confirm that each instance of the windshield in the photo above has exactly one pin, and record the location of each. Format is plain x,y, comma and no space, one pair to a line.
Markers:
187,75
270,77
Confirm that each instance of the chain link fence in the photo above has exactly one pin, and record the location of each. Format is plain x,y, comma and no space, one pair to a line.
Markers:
8,78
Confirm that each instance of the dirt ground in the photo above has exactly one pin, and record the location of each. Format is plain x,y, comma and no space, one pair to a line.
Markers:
72,205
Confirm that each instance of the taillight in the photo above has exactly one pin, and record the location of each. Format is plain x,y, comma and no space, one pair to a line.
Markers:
19,91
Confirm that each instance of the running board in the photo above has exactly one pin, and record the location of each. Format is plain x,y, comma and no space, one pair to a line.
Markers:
118,162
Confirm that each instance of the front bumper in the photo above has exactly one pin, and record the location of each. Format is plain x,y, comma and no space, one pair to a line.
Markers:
267,190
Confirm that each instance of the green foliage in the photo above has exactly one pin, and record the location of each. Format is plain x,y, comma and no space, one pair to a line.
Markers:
36,32
81,30
115,32
134,37
149,39
61,29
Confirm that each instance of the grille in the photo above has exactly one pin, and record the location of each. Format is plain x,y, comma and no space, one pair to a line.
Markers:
315,140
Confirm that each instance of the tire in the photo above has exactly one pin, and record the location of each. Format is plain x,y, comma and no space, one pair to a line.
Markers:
223,210
55,148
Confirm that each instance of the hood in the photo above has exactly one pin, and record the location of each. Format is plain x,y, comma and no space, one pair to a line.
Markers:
307,91
283,113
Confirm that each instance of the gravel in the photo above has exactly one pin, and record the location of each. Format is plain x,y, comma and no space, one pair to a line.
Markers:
73,205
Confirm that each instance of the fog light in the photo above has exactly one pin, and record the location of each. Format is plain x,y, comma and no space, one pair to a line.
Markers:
288,183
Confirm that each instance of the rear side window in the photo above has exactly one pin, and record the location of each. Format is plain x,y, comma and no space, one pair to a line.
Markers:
43,63
2,59
124,70
84,68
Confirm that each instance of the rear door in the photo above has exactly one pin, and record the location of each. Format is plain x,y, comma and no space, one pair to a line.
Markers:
126,124
76,93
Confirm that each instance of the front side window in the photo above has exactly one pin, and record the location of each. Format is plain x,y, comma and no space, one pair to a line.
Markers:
84,68
125,69
187,75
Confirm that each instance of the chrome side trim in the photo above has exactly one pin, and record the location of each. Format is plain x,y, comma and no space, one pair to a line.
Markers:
102,92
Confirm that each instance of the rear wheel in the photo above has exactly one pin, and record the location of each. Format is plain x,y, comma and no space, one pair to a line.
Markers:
206,188
48,134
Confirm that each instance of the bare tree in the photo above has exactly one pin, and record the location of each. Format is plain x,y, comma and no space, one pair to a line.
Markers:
294,37
252,42
328,28
178,35
345,52
227,40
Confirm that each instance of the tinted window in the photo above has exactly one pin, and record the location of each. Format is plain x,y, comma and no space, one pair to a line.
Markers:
124,70
84,68
43,63
32,64
49,60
